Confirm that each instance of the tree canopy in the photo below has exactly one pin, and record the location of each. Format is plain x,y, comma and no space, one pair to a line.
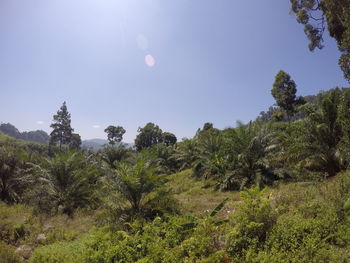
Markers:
149,135
317,15
114,134
169,138
284,91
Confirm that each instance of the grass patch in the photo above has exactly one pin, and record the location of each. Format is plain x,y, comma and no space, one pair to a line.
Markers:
198,196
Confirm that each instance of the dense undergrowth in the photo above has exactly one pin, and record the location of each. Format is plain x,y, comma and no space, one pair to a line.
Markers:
294,222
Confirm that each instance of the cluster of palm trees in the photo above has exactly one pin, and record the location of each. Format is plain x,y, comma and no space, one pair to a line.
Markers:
235,157
252,154
260,153
71,180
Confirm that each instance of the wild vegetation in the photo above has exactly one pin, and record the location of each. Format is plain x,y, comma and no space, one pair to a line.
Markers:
276,189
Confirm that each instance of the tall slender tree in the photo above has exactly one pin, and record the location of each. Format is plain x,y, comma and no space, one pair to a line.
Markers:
62,131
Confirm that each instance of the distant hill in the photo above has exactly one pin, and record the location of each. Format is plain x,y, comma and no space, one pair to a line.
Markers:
41,136
97,144
38,136
94,144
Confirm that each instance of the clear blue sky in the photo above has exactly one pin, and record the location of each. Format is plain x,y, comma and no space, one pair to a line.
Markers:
208,61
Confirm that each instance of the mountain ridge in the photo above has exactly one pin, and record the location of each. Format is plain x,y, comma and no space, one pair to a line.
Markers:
38,136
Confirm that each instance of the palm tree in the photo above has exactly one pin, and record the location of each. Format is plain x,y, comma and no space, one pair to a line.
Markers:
135,183
211,160
315,142
249,147
163,158
13,179
113,154
186,153
253,163
69,181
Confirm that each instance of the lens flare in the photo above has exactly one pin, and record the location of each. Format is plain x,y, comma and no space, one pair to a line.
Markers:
150,61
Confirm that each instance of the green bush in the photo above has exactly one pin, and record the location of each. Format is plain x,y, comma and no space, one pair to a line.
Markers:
296,232
60,252
179,239
252,222
312,229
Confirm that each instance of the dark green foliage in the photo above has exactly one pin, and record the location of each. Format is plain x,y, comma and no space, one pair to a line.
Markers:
75,142
149,135
344,122
13,178
114,134
62,130
317,15
218,207
207,126
169,138
284,91
208,129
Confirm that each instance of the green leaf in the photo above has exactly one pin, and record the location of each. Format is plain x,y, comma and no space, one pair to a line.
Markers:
218,207
347,206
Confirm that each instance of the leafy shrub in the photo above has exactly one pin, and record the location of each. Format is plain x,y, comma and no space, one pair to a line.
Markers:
311,226
60,252
252,222
295,232
175,240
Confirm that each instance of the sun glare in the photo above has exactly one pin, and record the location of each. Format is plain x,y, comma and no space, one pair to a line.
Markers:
150,61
